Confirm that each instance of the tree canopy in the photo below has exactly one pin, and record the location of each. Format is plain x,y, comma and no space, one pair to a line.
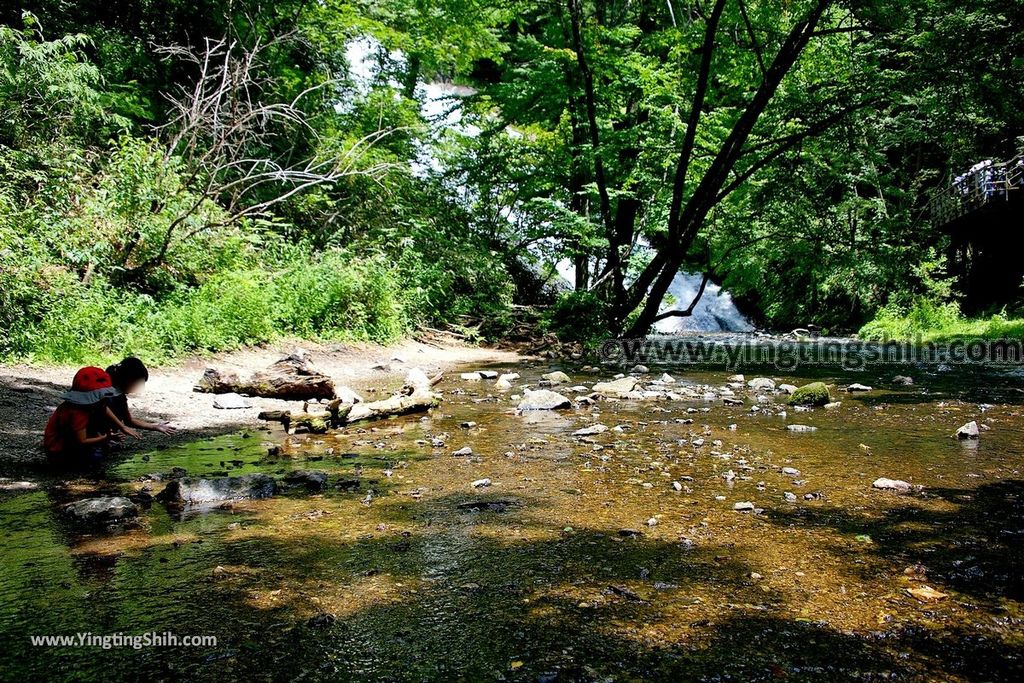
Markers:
161,157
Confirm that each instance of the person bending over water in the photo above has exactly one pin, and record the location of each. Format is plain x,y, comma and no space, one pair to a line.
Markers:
73,435
129,377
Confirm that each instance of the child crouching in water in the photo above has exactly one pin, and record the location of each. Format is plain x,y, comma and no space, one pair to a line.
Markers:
129,377
73,435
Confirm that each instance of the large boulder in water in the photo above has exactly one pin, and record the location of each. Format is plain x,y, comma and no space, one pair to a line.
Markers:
543,399
105,510
195,491
617,388
813,394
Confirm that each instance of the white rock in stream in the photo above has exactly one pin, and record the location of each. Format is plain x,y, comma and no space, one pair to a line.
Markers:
617,388
471,376
591,430
968,431
543,399
481,483
887,484
858,387
801,428
465,450
556,377
761,384
791,471
745,506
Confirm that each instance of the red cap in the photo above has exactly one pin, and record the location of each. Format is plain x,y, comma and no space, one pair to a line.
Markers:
91,379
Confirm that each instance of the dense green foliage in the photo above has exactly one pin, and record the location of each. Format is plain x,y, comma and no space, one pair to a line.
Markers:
153,205
928,321
112,242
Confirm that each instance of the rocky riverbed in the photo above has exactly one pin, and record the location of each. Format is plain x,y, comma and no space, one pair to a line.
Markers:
551,521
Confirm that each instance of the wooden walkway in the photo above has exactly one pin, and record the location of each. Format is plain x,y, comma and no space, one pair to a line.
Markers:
983,185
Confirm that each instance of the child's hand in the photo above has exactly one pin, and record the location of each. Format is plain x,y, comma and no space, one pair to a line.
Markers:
132,433
165,429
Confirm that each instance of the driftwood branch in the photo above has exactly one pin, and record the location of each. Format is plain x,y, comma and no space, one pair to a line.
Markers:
291,378
217,122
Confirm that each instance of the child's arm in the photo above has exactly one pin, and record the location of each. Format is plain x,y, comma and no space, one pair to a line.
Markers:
120,425
84,439
161,427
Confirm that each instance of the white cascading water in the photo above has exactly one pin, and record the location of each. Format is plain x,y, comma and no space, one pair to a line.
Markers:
715,312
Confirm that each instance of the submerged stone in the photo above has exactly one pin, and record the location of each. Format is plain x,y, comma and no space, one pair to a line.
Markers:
486,505
314,480
102,510
591,430
192,491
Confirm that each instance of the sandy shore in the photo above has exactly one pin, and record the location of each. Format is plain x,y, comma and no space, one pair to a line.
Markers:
28,394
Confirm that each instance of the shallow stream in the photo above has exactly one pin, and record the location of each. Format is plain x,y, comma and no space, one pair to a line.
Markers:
617,556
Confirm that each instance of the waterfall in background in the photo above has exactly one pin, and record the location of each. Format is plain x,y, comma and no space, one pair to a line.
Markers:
715,312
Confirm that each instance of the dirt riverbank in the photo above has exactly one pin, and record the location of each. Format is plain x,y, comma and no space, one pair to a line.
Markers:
28,394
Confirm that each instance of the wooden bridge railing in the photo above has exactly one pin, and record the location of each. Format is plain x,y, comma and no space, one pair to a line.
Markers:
983,184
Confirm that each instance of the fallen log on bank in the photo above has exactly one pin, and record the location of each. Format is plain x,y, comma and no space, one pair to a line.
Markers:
400,404
291,378
332,416
414,397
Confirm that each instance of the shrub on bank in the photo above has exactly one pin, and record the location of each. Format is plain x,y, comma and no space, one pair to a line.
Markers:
929,321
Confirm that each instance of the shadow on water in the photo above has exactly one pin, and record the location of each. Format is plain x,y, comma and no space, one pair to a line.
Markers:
453,600
976,548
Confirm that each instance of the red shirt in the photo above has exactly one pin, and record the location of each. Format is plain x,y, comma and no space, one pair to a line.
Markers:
65,422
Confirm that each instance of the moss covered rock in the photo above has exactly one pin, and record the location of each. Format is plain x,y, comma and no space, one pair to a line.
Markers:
813,394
